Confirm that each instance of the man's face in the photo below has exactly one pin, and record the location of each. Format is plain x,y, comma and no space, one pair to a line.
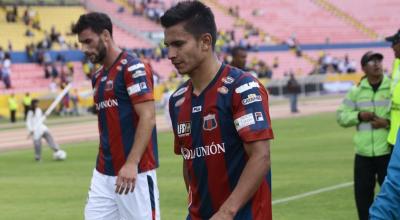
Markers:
92,45
373,67
396,49
184,50
239,60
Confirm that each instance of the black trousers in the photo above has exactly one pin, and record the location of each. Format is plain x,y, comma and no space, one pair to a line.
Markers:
368,170
26,110
12,114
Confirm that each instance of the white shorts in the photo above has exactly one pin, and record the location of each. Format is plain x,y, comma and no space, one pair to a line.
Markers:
104,203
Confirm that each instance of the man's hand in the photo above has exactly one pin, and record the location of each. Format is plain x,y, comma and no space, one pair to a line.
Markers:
378,122
126,179
223,214
366,116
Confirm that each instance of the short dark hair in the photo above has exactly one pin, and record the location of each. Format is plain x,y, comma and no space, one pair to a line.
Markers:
96,21
236,49
198,18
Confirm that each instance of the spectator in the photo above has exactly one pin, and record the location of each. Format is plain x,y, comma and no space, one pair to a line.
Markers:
239,56
6,70
293,90
10,46
29,51
275,63
29,33
263,70
53,85
2,54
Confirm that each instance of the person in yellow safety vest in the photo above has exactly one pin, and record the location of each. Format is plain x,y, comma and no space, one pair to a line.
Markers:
27,104
12,106
395,88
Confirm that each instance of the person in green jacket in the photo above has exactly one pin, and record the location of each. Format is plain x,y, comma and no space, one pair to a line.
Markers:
367,106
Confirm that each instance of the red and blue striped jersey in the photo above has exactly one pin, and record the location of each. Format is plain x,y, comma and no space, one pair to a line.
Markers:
210,131
116,90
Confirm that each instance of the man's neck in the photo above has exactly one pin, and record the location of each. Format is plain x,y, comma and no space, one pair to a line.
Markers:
204,74
375,80
111,56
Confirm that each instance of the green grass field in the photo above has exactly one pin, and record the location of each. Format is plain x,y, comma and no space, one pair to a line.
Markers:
308,153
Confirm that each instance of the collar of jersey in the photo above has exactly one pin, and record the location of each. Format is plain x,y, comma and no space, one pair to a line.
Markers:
216,77
113,64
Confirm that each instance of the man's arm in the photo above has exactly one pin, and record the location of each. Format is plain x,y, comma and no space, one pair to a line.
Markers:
255,170
127,175
387,202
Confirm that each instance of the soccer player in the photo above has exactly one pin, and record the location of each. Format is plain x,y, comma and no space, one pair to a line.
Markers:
38,130
124,183
220,121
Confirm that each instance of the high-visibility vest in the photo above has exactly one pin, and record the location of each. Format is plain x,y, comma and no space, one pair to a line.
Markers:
12,103
27,100
395,110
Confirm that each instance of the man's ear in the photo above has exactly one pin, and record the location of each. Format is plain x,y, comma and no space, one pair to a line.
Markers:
206,42
106,35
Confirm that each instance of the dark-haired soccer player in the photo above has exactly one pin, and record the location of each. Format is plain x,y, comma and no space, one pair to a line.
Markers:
124,183
220,120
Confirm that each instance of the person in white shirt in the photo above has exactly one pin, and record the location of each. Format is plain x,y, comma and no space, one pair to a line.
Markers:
38,130
165,104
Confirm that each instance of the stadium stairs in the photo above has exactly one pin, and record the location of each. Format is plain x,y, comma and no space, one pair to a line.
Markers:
335,11
379,16
289,58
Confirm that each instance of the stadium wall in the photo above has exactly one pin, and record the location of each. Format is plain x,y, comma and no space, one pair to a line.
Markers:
77,55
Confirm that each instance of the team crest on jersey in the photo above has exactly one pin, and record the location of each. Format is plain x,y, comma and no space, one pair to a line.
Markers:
180,91
228,80
143,85
259,116
109,85
184,129
223,90
124,61
209,122
179,102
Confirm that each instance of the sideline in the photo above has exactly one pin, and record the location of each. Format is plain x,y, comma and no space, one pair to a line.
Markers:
318,191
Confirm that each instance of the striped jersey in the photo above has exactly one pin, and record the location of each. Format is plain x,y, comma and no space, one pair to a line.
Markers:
210,131
116,90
